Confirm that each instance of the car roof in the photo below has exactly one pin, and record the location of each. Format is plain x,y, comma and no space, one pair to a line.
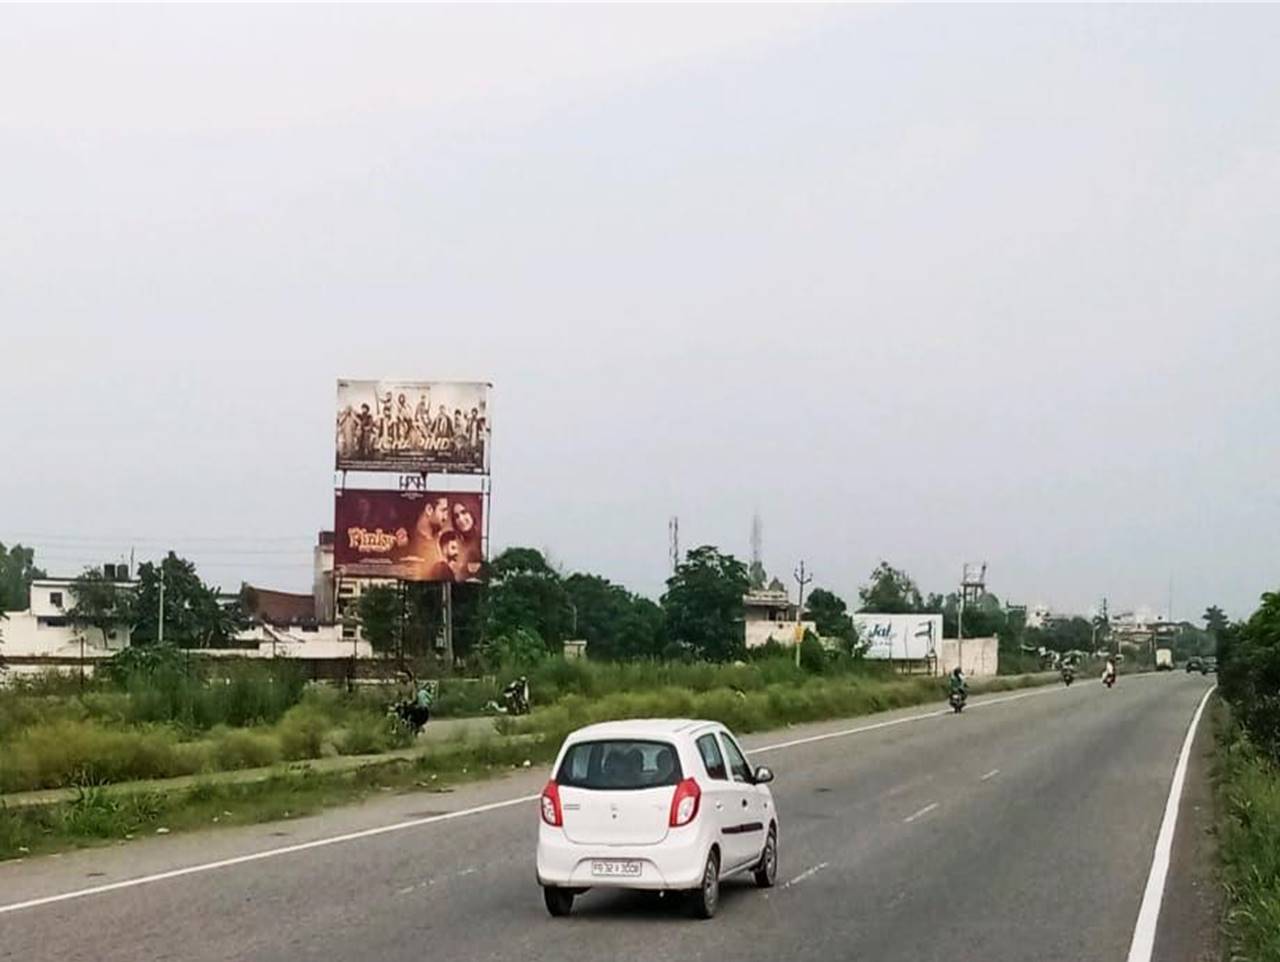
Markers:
641,728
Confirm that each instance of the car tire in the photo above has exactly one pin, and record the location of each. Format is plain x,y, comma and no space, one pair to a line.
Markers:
559,901
705,899
766,873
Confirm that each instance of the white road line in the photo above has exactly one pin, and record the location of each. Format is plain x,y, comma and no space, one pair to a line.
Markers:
449,816
266,854
1144,931
920,814
991,774
807,873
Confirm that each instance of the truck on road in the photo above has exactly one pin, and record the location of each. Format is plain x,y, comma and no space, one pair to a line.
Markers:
1164,659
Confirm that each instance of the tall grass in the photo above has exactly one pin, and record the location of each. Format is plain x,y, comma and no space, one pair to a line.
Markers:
96,745
1249,841
746,709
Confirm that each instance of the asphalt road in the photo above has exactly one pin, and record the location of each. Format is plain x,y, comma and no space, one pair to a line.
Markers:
1020,830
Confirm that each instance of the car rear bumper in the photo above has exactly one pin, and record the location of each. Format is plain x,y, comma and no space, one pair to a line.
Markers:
675,863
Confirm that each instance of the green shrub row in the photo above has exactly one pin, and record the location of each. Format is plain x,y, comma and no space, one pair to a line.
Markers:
85,751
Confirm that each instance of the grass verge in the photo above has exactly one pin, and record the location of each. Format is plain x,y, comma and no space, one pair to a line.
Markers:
1248,787
99,815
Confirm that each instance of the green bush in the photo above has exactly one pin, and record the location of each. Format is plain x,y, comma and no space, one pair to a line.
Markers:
233,748
1249,843
813,657
367,734
302,732
70,752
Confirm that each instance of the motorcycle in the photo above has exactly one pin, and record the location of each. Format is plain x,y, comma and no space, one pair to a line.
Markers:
1109,680
1068,676
515,699
410,714
957,700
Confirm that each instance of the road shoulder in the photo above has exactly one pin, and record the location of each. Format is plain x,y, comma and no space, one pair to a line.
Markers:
1191,913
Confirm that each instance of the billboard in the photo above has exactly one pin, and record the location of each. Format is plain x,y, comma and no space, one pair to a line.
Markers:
440,427
410,535
900,637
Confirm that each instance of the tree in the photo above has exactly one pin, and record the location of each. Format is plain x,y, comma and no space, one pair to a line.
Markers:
703,604
890,591
381,614
615,623
1062,635
17,571
526,592
194,614
1249,672
101,603
830,615
1215,620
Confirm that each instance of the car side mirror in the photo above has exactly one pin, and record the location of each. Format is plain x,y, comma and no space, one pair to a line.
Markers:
763,775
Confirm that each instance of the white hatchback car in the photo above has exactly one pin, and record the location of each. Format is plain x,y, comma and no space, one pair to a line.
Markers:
658,804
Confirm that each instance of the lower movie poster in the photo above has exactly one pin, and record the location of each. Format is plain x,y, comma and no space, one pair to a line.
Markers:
410,535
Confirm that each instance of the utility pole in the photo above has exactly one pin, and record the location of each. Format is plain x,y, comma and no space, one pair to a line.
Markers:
801,579
973,584
673,542
160,613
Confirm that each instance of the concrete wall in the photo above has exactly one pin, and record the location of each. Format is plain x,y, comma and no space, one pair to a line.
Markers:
23,633
981,656
783,632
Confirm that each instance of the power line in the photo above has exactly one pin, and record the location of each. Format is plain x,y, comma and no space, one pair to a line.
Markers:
136,539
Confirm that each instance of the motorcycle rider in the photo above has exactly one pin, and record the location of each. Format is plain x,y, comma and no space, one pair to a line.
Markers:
1109,672
958,685
516,696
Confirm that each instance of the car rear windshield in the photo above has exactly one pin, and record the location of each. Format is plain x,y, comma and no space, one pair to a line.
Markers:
620,765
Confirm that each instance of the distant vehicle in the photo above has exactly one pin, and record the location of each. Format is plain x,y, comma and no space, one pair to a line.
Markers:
662,805
1164,659
1208,665
1193,664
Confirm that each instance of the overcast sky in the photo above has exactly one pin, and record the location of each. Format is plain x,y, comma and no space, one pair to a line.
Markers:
929,284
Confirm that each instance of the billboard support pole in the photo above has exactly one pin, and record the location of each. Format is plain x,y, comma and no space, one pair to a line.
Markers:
400,632
448,623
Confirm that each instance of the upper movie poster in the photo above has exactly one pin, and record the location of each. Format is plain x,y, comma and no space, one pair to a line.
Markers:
413,427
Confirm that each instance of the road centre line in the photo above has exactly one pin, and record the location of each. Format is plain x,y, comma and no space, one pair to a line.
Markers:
920,814
447,816
991,774
1144,930
806,874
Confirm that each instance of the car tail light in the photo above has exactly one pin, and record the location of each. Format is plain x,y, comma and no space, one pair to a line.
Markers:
552,813
685,803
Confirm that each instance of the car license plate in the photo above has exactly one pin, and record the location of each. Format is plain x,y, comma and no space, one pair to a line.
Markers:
615,868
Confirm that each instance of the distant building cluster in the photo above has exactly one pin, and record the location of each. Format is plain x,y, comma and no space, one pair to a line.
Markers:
316,625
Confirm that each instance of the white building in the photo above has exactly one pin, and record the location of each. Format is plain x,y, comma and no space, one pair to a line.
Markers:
1038,615
44,629
770,615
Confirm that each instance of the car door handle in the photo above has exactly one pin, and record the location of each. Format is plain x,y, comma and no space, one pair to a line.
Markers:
719,806
744,803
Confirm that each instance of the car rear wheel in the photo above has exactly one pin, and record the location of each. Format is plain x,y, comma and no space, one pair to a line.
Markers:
705,899
766,872
559,901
